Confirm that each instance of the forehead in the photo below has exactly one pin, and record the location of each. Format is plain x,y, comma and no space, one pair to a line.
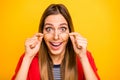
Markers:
55,19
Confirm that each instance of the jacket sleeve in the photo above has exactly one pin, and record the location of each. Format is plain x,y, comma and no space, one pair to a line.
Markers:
92,63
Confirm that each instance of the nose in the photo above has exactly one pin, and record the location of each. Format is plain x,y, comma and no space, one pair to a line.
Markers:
56,35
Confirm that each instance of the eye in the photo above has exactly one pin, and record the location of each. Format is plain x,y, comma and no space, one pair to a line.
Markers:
63,29
48,29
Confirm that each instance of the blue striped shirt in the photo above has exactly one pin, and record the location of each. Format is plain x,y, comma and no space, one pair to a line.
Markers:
56,72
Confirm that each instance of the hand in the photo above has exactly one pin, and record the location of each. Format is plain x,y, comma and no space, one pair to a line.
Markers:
79,44
32,45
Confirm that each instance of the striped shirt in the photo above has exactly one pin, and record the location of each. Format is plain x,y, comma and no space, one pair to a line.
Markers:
56,72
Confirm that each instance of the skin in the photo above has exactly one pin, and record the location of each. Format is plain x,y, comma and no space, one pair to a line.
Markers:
56,38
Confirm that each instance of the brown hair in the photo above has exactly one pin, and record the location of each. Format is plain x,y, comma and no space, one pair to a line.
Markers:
70,56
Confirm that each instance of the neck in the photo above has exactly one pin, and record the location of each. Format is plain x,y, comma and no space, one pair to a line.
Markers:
57,59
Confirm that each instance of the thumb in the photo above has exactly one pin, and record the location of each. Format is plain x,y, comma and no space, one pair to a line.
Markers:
73,41
39,41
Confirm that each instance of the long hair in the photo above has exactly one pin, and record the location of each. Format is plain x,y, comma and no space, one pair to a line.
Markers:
70,56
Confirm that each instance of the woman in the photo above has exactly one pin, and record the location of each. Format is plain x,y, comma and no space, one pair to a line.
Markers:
56,52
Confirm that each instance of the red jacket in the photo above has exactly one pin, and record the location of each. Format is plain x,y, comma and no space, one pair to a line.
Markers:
34,73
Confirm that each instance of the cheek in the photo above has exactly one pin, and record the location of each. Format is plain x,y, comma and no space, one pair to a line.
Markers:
65,37
46,38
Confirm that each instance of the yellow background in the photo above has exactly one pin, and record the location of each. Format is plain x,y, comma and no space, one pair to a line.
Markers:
97,20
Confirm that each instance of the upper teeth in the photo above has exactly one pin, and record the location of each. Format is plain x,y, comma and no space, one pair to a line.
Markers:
56,44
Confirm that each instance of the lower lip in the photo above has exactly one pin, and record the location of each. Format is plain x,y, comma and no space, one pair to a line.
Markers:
56,47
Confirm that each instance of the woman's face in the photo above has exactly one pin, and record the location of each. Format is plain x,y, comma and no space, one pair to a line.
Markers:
56,34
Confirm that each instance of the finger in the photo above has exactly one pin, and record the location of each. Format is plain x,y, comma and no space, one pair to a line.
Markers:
35,44
74,34
31,42
32,46
38,44
73,41
81,38
78,40
39,36
81,44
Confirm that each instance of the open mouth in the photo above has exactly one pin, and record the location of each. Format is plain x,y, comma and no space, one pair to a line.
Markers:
55,45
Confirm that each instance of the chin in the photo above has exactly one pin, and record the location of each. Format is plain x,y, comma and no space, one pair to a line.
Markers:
53,52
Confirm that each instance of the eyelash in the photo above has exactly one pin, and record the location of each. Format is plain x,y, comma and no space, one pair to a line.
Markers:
63,28
48,29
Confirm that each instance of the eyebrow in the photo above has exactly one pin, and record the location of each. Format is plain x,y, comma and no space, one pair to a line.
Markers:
52,24
48,24
64,24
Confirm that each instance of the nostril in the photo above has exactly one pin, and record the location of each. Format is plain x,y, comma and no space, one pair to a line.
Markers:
56,35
